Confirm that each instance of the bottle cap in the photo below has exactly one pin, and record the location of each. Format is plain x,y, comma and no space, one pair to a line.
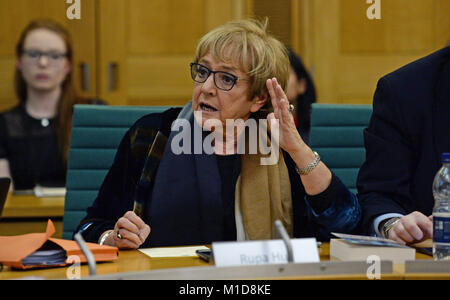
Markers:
445,158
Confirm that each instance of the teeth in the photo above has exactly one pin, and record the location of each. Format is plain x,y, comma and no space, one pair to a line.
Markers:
208,108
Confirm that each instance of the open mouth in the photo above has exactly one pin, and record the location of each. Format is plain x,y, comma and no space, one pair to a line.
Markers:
42,77
207,107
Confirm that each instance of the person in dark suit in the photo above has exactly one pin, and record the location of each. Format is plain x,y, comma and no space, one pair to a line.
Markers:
406,136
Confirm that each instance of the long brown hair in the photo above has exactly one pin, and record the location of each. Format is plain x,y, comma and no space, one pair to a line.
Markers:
68,95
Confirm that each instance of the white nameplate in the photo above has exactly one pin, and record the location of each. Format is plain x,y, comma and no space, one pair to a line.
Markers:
263,252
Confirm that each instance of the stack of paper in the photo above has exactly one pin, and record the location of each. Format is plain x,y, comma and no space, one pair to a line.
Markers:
46,258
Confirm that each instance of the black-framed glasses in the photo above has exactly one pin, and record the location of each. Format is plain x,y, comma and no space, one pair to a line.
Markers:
35,55
223,80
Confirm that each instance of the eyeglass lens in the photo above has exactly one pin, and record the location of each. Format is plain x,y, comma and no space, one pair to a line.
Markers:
36,55
222,80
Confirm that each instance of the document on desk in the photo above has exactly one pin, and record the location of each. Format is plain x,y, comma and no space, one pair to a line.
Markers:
172,251
36,250
40,191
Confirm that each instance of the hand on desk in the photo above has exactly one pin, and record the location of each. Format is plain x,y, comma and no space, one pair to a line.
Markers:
130,232
412,228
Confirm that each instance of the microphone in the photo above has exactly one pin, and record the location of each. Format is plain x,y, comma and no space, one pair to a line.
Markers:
89,256
287,241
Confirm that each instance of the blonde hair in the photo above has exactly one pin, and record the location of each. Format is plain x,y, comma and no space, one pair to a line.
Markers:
248,45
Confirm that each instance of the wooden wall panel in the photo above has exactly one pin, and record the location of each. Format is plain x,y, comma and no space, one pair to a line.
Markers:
156,45
151,42
410,25
112,74
347,53
441,23
159,78
404,27
358,33
164,26
7,94
279,13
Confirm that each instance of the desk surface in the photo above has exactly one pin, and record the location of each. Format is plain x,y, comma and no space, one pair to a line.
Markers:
30,206
24,214
135,261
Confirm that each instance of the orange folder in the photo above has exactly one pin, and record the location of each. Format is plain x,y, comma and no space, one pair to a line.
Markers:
14,249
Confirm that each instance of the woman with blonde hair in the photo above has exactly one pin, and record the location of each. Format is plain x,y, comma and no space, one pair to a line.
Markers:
190,196
35,134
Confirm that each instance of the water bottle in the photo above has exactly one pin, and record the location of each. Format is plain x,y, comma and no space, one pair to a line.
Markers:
441,211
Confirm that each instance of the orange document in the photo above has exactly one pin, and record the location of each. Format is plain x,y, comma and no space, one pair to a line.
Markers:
36,250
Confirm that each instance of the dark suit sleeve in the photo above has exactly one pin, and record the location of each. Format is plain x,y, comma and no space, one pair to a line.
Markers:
384,179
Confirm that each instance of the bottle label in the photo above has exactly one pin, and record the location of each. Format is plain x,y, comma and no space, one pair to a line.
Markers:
441,229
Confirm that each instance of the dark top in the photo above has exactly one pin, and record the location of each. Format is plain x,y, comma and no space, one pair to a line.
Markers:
30,145
229,170
188,208
408,132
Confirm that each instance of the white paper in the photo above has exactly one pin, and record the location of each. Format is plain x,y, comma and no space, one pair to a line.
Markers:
40,191
264,252
172,251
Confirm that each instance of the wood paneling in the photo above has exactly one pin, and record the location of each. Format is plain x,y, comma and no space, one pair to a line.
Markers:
7,96
404,27
279,13
161,77
164,26
148,44
154,42
347,53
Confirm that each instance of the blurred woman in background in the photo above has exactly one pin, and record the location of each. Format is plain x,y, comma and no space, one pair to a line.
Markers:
301,93
35,134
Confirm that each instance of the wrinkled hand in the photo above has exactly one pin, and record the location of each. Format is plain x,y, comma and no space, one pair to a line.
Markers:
289,138
133,230
412,228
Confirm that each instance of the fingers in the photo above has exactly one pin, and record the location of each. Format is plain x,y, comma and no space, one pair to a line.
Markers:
279,100
399,234
271,88
414,227
133,231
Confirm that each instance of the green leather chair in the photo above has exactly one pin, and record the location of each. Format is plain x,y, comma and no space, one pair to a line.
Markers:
337,135
96,133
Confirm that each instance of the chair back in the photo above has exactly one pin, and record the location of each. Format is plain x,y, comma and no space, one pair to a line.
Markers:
96,134
337,135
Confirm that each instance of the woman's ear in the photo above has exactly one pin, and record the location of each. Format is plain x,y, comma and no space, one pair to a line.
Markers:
259,102
68,68
302,86
19,64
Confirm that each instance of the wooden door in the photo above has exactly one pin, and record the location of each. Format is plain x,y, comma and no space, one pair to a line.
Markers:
145,47
15,15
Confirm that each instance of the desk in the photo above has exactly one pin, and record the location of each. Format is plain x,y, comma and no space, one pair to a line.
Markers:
27,213
135,261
